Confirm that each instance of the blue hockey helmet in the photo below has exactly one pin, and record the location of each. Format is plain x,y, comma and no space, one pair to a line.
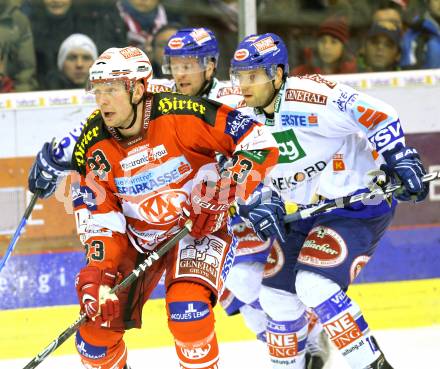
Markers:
260,51
191,42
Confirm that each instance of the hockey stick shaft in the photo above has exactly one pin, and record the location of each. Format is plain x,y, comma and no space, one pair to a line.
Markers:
21,225
141,268
343,202
19,229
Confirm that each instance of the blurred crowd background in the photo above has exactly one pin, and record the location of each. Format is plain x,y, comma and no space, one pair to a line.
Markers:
50,44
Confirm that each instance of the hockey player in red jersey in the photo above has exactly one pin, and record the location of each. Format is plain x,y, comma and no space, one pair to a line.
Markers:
146,164
191,64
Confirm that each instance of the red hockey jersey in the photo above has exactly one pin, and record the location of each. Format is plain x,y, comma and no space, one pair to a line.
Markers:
131,190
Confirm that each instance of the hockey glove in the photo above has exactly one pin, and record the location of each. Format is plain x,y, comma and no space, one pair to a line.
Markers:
404,164
45,172
265,211
208,209
93,288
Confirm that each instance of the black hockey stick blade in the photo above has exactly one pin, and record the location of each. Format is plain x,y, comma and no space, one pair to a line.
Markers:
153,257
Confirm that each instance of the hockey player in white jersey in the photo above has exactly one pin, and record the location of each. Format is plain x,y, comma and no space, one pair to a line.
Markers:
332,139
191,57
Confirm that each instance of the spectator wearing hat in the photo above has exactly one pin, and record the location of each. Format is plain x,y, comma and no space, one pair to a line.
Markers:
17,59
381,50
421,43
331,55
54,20
75,57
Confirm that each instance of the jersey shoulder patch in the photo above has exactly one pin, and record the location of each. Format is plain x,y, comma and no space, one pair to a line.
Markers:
173,103
93,132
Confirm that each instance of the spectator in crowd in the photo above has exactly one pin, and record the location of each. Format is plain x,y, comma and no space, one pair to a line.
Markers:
421,43
381,51
143,18
391,11
331,56
160,40
54,20
17,58
314,12
75,57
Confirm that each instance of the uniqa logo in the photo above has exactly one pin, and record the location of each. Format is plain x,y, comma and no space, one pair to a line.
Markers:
163,207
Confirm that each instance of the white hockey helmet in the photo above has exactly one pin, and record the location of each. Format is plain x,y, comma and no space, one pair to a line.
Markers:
128,64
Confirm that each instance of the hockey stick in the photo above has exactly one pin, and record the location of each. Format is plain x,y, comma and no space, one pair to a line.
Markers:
342,202
20,227
154,256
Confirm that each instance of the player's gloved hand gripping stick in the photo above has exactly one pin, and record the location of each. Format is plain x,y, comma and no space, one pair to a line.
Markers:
135,274
265,211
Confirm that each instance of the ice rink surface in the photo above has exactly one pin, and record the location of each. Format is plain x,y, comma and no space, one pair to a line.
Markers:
415,348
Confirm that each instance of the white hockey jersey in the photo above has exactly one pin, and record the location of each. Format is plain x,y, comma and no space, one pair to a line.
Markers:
330,137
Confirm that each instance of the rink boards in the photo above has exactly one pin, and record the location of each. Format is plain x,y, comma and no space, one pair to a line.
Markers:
47,279
398,288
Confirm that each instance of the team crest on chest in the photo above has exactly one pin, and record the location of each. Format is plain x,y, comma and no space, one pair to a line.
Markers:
163,207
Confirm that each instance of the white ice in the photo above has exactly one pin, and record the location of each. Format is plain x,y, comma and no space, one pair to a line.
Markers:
416,348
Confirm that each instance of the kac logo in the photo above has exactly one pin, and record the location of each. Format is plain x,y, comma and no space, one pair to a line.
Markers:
163,207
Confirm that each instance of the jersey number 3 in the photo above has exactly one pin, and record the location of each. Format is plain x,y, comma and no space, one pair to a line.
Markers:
95,251
99,164
239,169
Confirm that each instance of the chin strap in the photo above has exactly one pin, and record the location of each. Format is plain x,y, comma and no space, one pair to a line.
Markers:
206,87
274,95
134,107
270,99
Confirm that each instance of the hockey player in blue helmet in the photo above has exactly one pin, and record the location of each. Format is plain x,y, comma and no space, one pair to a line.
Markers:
329,140
190,57
260,60
263,61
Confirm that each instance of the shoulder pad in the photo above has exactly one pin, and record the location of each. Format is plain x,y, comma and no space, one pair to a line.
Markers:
169,103
319,79
93,132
